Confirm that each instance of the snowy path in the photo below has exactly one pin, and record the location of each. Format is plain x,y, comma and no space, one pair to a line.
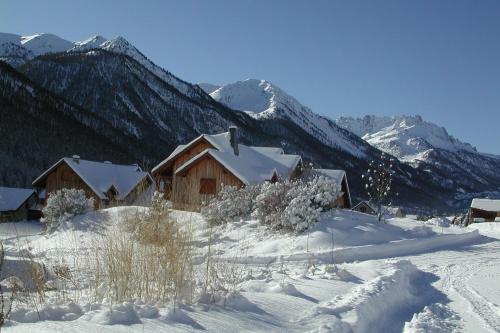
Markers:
470,281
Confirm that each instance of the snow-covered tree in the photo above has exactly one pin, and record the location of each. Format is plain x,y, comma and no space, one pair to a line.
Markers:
295,205
64,204
378,182
230,203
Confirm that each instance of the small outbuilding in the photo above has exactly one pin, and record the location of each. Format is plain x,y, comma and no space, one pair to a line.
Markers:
17,204
484,210
109,184
365,207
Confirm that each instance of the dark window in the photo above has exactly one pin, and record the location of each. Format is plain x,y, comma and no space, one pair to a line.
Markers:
362,209
207,186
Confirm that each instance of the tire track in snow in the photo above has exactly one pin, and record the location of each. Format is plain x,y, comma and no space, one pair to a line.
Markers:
457,276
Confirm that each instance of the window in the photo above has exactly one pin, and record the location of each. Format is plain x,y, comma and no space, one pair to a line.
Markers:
362,209
207,186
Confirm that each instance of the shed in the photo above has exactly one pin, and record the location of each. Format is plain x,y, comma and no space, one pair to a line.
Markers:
16,204
365,207
484,210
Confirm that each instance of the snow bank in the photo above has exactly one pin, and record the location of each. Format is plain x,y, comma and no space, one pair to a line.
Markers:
381,305
435,318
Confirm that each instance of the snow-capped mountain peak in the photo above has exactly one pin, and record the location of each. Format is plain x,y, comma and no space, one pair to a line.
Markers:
90,43
409,138
45,43
262,99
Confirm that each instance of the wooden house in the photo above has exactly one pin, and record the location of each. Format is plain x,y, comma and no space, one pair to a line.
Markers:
195,172
17,204
109,184
365,207
484,210
340,177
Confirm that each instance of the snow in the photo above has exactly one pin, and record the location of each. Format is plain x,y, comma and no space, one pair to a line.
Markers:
409,138
252,165
208,87
12,198
486,204
350,273
102,176
262,99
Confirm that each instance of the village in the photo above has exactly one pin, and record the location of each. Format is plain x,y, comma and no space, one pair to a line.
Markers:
190,175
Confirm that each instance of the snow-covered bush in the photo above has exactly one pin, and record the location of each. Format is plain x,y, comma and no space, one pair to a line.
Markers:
271,202
230,203
295,205
64,204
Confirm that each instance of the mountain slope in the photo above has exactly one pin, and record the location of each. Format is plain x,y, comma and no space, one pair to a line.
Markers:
42,127
263,100
426,146
409,138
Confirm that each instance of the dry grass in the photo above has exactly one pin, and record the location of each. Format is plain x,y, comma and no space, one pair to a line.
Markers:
148,257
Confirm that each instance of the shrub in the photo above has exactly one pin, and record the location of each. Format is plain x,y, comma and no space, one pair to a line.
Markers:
153,226
231,203
295,205
149,257
64,204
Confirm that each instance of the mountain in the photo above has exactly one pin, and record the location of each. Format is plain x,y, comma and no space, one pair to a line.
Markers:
409,138
17,50
208,87
42,127
144,111
427,146
263,100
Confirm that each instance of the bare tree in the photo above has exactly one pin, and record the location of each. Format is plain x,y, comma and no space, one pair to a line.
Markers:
378,182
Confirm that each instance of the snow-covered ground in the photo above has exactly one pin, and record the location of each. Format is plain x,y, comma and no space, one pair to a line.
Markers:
349,273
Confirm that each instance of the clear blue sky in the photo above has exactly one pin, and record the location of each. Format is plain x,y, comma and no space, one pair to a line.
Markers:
439,59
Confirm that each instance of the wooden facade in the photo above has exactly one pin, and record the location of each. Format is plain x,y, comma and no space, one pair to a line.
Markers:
64,177
188,191
487,216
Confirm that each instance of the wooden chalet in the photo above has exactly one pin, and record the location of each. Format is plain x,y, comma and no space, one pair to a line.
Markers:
484,210
194,172
109,184
17,204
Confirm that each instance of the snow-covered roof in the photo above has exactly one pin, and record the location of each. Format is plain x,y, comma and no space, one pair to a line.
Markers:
336,175
364,203
102,176
252,165
12,198
486,204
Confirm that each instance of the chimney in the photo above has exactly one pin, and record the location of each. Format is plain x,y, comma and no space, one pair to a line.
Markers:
76,158
233,134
